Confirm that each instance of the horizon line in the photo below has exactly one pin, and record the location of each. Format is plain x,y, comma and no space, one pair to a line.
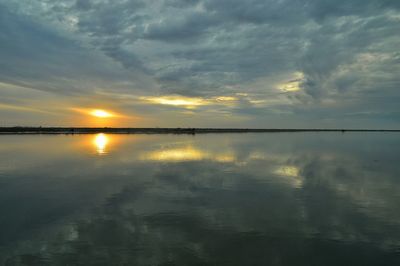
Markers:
168,130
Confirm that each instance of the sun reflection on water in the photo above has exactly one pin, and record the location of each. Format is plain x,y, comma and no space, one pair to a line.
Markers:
100,141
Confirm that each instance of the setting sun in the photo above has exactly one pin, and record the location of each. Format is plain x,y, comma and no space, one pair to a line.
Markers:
101,113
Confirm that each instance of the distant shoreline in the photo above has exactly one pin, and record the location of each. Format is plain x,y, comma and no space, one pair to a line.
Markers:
95,130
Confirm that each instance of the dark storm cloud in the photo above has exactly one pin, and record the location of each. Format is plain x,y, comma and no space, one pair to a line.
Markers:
38,56
334,50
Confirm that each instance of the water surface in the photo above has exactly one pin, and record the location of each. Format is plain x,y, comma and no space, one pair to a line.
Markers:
215,199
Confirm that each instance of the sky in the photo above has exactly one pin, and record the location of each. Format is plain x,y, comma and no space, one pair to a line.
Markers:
200,63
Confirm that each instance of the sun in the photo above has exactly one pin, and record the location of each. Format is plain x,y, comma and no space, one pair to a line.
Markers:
101,113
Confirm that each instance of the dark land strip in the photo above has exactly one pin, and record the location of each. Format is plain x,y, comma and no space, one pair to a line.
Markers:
93,130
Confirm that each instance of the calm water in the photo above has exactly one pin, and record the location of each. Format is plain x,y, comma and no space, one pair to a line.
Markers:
228,199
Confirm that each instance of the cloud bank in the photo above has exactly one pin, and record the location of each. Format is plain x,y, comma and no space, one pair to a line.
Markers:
281,63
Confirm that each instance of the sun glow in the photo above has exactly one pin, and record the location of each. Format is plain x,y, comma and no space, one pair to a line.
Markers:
101,113
187,102
191,102
294,84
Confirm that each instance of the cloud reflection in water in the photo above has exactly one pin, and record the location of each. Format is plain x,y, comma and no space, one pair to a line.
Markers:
203,200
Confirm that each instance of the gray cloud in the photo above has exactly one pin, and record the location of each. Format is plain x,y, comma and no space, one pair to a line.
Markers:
343,50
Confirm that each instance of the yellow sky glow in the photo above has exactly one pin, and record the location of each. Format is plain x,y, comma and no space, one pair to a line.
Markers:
226,99
294,84
188,102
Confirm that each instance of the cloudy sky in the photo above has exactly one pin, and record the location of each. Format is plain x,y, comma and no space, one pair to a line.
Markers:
200,63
